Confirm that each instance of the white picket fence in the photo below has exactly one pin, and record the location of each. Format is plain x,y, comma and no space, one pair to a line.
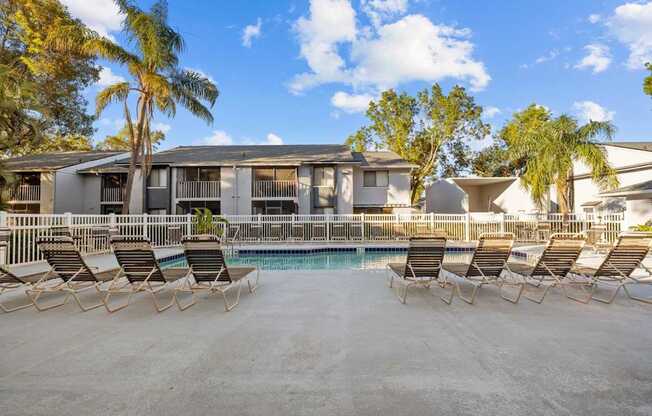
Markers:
91,232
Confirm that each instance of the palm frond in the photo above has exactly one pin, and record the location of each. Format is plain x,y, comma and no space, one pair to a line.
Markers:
111,94
196,85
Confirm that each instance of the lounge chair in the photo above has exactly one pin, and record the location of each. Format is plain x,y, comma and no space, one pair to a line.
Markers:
66,263
558,257
139,272
209,271
9,282
626,255
424,261
486,267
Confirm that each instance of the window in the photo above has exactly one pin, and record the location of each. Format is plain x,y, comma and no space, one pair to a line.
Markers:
114,180
158,178
199,174
111,209
29,179
376,179
274,174
273,207
188,207
324,176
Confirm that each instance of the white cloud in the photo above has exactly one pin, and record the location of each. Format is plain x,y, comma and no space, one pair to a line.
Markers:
632,25
598,58
274,139
331,22
218,138
594,18
381,10
103,16
351,103
548,57
107,77
222,138
202,73
162,127
251,32
590,111
491,112
410,49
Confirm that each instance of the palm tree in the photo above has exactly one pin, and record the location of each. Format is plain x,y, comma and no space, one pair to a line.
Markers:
157,81
550,150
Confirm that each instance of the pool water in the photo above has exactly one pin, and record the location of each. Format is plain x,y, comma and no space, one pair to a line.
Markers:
367,260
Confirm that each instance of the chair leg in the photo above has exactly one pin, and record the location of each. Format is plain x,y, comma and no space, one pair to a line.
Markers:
84,308
609,299
636,298
187,289
545,292
583,300
445,283
229,306
7,309
252,288
153,292
474,292
513,300
35,294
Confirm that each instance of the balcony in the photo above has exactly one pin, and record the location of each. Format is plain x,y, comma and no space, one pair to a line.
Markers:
198,189
24,193
112,194
275,189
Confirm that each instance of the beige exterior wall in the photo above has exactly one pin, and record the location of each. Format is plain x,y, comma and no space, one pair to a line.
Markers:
344,183
396,193
48,183
638,210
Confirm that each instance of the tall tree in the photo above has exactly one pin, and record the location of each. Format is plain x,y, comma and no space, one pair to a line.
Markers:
157,82
430,130
47,81
547,148
647,83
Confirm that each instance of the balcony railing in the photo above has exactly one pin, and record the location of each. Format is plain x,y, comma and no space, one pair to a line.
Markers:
198,189
24,193
112,194
275,189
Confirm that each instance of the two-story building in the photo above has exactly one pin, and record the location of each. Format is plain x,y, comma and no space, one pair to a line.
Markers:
262,179
49,183
242,180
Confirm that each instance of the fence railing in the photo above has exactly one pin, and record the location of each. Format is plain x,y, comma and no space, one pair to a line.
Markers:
112,194
274,189
24,193
198,189
91,232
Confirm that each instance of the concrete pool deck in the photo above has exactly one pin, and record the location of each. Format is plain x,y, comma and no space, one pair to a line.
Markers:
324,343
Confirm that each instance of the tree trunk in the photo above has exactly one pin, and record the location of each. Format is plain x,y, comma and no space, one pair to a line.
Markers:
128,186
562,197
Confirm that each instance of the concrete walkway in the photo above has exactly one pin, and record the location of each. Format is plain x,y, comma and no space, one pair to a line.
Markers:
324,343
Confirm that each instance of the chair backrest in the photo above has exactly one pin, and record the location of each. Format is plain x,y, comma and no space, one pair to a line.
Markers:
65,259
60,231
136,258
204,255
626,255
559,255
425,256
491,254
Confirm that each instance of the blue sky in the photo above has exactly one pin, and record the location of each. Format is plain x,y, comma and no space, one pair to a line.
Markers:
302,71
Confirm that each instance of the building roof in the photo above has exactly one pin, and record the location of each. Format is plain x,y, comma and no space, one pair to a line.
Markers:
54,161
262,155
254,155
381,159
636,189
645,146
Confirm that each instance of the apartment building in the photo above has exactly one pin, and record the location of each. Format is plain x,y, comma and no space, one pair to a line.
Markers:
245,180
49,183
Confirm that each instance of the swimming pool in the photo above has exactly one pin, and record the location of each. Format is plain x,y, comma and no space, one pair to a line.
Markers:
325,259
